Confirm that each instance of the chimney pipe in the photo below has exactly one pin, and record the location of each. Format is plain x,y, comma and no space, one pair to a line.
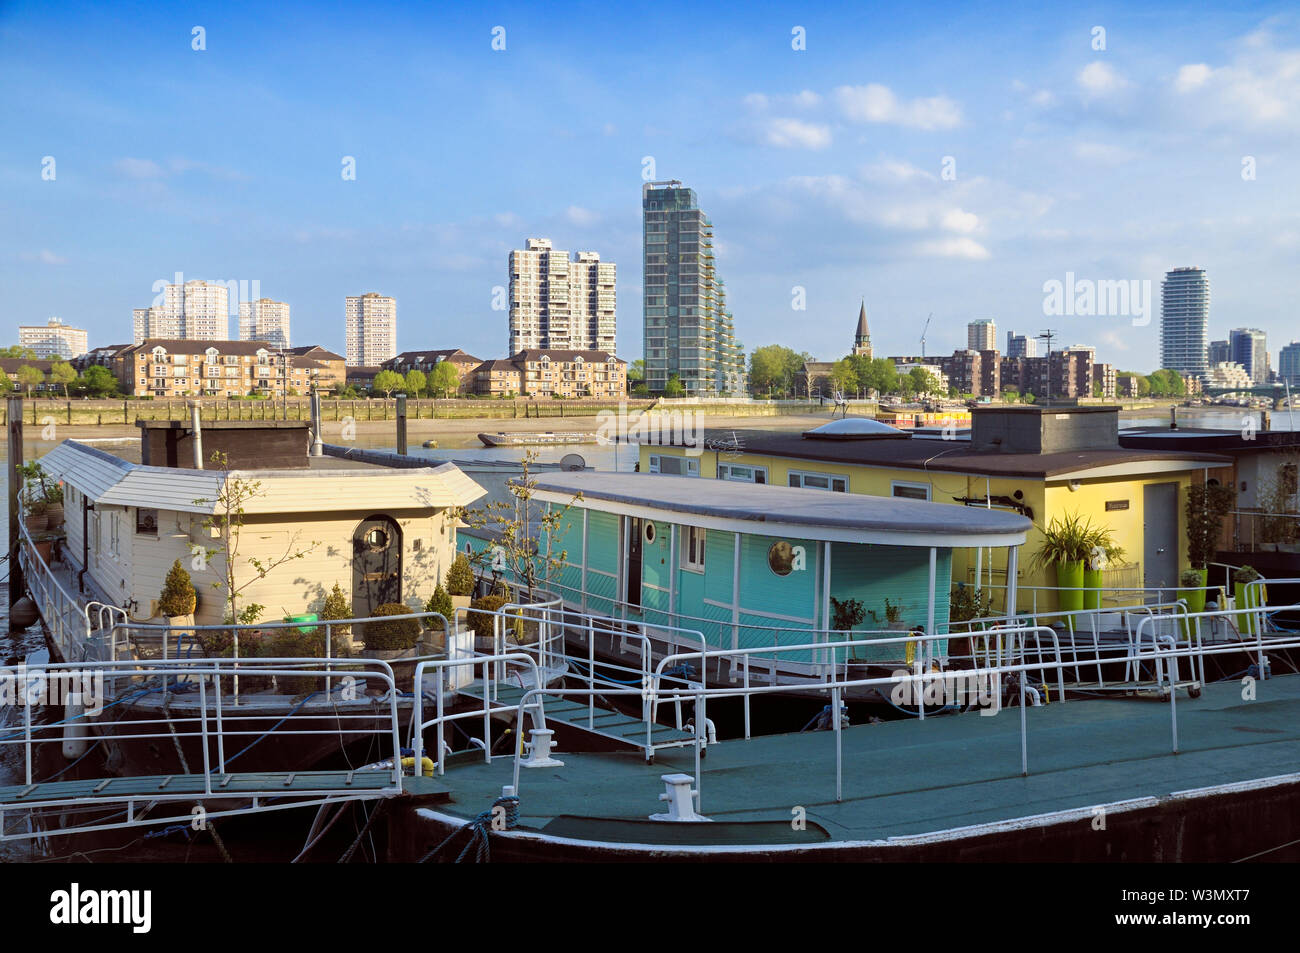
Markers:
196,434
317,445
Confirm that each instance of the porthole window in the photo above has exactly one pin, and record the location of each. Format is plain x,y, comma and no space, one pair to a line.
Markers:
650,532
376,538
780,558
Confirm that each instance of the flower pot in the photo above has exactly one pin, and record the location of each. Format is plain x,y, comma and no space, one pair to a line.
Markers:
1069,581
36,522
1246,599
1091,588
180,630
54,515
1195,598
402,662
45,549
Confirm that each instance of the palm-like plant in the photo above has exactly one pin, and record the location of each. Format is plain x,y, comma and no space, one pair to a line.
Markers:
1067,539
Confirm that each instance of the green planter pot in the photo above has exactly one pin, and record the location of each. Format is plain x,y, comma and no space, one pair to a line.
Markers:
1069,581
1245,599
1195,598
1091,588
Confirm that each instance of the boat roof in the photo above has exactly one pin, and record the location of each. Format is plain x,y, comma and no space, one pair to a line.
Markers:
766,510
328,485
958,456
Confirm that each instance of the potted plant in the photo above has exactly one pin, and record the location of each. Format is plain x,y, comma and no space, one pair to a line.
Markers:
177,600
439,602
1207,505
484,625
338,606
966,604
847,616
1067,544
1246,596
460,582
54,505
1192,591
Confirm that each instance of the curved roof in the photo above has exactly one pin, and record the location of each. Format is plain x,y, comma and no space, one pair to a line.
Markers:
776,510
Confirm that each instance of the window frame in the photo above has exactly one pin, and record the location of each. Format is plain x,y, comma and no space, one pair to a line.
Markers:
830,478
896,485
748,466
698,536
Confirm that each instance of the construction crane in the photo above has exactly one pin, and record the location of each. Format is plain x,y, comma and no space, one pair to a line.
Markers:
923,330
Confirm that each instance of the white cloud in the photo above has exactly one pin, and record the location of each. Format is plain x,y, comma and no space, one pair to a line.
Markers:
795,133
877,103
895,170
804,99
44,257
756,101
1099,78
581,216
1261,86
1103,153
1192,76
139,168
966,248
956,220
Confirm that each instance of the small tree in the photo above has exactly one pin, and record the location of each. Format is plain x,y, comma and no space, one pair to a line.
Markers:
178,596
392,634
673,387
460,577
416,381
439,602
30,377
228,520
524,549
387,382
62,374
444,379
1207,505
337,606
99,381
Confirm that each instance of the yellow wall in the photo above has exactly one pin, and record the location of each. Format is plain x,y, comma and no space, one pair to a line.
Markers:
1046,498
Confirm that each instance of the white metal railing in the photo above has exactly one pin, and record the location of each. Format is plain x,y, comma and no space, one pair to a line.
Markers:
1166,651
68,625
210,738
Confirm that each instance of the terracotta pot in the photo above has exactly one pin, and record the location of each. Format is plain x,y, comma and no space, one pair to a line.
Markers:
36,522
54,515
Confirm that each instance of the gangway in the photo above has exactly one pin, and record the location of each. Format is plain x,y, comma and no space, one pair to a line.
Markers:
207,740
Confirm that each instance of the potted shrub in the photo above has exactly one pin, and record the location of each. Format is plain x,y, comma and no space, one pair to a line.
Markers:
439,602
1192,591
390,639
847,616
338,606
54,505
1067,544
1246,596
460,582
177,600
484,625
1207,505
965,605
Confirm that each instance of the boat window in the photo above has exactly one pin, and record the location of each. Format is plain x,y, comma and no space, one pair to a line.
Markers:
678,466
693,548
650,532
910,491
780,558
742,474
146,521
819,481
376,538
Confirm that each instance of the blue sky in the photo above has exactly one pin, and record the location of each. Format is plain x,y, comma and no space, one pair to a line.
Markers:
821,168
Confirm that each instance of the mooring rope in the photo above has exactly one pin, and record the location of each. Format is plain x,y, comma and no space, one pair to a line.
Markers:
478,831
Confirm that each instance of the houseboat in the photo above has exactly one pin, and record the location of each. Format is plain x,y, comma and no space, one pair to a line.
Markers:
678,561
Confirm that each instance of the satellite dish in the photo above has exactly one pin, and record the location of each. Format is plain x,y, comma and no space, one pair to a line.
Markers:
573,461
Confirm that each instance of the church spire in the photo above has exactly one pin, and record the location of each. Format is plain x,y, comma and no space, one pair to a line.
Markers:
862,337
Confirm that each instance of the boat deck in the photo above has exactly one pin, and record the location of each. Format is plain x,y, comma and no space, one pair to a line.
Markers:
908,778
615,726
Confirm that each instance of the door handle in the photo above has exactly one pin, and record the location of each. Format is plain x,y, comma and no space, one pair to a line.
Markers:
1159,551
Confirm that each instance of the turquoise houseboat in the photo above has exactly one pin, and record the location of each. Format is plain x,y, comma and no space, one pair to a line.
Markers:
752,565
